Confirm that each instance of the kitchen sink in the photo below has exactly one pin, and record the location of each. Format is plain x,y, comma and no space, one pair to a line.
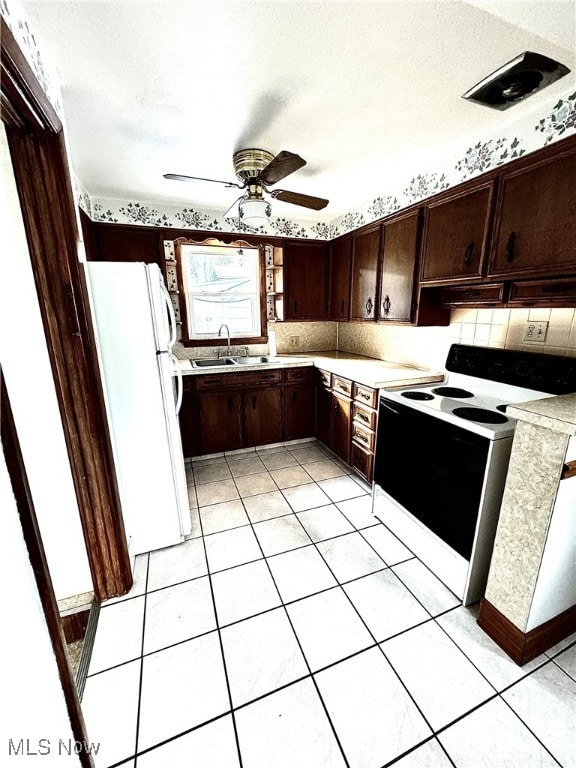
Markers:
255,360
211,362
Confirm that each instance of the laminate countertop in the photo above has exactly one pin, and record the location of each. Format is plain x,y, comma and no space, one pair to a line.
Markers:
557,413
379,374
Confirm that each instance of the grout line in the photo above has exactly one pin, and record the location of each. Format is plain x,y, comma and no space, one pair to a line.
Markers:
141,663
222,647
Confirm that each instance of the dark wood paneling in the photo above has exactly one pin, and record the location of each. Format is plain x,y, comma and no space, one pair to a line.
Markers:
456,236
523,647
127,243
262,416
220,422
340,257
47,203
401,240
305,280
365,260
486,295
535,227
298,411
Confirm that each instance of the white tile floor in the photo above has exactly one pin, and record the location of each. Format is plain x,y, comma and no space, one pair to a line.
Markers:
294,630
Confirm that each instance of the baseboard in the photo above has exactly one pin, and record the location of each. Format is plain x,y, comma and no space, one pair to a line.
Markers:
522,647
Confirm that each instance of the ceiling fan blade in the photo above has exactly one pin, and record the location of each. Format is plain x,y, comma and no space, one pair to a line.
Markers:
281,166
180,177
229,214
306,201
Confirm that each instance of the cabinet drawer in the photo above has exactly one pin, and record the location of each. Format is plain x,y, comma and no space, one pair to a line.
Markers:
477,294
363,436
342,386
324,378
559,292
234,380
364,416
366,395
362,462
298,374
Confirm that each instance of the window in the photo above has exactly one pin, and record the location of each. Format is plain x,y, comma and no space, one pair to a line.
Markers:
220,284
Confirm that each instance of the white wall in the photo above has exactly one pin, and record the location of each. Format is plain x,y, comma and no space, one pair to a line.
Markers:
34,704
26,366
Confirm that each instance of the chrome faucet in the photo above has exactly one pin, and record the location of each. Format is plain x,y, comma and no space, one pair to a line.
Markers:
228,351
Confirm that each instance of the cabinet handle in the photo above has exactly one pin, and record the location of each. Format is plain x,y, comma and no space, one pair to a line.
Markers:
468,253
253,402
361,437
369,306
386,304
363,417
365,395
342,307
510,246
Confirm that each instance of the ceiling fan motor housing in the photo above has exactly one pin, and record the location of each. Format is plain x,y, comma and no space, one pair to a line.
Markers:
249,163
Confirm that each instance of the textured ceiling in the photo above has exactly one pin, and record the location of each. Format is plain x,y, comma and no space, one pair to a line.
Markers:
364,92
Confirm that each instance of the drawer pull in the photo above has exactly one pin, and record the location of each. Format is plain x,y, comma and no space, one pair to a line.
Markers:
369,306
361,437
468,253
510,247
366,396
386,304
365,419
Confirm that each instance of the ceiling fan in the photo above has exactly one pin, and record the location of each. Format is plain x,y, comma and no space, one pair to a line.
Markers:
257,170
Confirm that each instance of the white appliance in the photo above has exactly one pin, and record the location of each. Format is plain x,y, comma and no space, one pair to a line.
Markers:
442,454
135,331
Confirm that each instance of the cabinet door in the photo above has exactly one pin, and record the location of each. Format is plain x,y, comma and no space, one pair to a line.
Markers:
456,236
298,411
341,421
536,220
398,265
220,423
365,255
305,281
339,305
189,431
262,416
117,243
323,414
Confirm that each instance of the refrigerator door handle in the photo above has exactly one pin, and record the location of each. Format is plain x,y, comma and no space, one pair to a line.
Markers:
179,377
171,315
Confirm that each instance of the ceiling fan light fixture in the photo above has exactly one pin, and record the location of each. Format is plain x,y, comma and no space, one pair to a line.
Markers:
254,212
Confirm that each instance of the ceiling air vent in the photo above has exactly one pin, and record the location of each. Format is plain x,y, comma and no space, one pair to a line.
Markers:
527,73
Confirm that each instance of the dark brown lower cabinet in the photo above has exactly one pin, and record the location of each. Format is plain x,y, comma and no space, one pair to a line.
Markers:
262,416
341,414
298,411
220,422
362,461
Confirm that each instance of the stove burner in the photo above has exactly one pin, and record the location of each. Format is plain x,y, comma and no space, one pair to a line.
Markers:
482,415
502,407
415,395
452,392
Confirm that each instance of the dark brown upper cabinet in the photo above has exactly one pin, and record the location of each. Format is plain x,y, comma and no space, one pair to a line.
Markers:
398,266
365,258
456,234
340,255
305,280
129,243
535,228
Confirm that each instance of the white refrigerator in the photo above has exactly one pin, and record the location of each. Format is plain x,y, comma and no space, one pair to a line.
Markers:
135,331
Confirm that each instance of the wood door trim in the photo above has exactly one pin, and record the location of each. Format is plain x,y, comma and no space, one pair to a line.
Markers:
38,156
33,541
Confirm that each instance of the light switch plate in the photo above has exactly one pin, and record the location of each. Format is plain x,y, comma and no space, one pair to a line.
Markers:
536,331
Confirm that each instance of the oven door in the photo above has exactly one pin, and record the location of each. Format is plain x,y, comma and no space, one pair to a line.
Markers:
433,469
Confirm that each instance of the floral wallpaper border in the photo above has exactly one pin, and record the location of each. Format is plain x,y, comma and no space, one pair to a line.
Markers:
533,131
528,134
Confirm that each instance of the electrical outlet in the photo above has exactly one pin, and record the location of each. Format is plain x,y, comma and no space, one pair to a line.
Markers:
295,341
536,331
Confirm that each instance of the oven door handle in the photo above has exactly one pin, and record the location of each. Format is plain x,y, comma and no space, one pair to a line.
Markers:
385,404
